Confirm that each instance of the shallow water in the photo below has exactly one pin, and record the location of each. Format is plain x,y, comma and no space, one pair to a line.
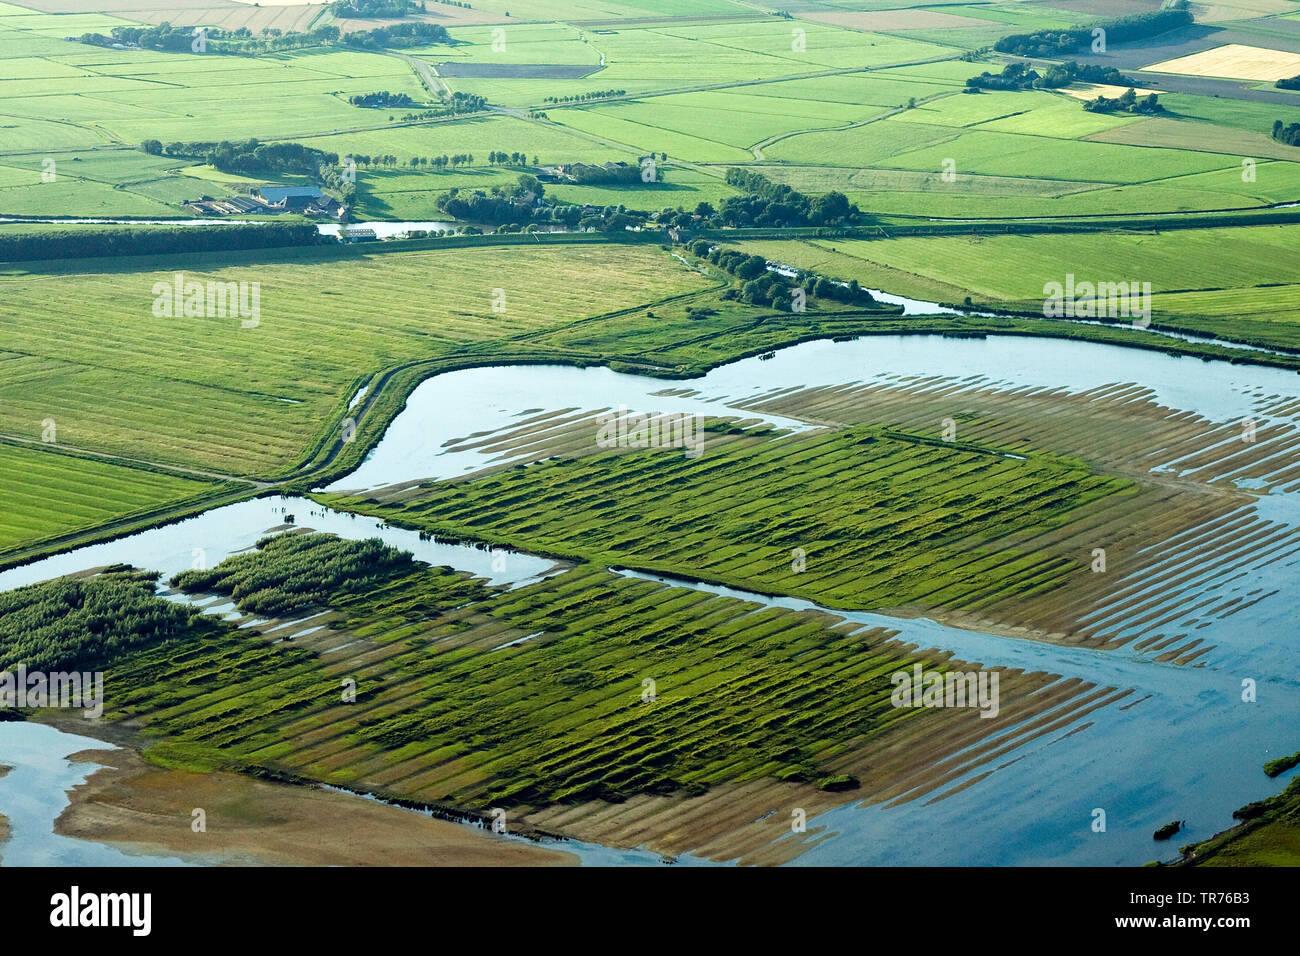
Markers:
34,793
1192,750
470,401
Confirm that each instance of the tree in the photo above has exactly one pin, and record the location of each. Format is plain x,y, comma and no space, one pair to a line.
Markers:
833,207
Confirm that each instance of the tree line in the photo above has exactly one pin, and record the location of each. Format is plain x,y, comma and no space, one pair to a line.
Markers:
1137,26
765,203
83,243
1020,76
243,42
381,99
583,97
761,286
1290,135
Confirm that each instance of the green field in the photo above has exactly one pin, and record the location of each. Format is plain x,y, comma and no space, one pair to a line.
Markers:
586,686
325,326
44,494
1233,283
884,519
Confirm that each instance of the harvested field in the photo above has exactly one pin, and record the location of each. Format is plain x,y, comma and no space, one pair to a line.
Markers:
1090,91
1220,11
1236,61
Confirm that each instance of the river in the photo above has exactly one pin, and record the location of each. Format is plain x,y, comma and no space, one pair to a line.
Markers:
1192,750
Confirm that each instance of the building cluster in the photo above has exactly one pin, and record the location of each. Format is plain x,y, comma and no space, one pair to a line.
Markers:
270,200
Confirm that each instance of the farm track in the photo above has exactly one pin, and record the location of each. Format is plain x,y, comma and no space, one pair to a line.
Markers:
757,148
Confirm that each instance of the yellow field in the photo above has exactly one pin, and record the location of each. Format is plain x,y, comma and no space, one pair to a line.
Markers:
1090,91
1235,61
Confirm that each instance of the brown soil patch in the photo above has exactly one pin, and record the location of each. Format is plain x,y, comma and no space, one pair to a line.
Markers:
249,821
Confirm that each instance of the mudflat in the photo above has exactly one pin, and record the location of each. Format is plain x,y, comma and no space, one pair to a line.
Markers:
138,806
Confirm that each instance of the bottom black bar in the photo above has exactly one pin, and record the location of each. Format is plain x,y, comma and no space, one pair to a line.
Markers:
134,906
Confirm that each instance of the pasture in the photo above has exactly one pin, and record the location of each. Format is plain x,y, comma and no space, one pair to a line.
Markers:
250,400
45,493
1204,280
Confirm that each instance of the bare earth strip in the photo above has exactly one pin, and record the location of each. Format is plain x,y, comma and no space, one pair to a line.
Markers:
253,822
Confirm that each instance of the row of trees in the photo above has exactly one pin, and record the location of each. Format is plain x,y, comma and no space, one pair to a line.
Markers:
583,97
381,100
766,203
1019,76
1289,83
1127,102
454,105
398,36
613,174
1290,135
244,42
1056,43
761,286
499,157
248,157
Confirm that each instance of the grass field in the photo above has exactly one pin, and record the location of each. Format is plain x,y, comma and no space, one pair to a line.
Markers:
1236,282
325,325
44,493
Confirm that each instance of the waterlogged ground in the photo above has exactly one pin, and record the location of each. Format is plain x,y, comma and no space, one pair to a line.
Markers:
34,793
1184,745
465,403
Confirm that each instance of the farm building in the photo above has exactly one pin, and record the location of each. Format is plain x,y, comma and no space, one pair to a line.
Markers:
290,198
